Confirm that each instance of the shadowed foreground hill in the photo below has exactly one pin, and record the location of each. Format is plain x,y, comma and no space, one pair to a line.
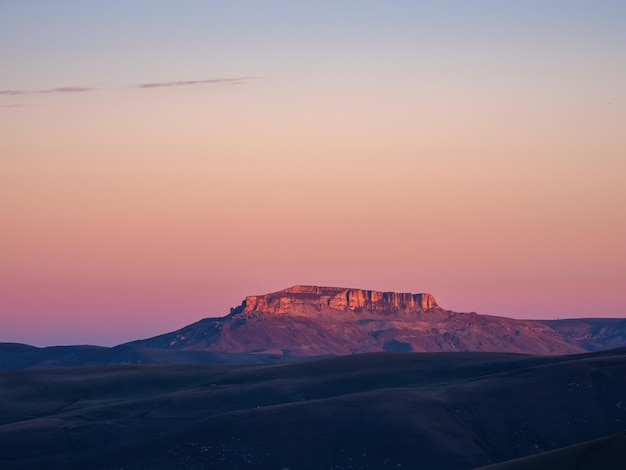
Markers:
606,453
370,411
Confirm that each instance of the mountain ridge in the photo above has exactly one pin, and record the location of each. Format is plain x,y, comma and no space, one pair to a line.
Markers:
307,322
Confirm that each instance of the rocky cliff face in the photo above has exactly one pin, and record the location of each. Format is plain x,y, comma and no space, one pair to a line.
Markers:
298,299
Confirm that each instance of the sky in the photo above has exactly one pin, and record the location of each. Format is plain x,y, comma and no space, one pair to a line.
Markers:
160,160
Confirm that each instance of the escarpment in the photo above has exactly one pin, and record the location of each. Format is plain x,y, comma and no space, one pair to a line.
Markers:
298,299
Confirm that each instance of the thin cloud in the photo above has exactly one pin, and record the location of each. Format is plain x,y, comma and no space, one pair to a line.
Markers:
213,81
14,92
81,89
66,89
12,105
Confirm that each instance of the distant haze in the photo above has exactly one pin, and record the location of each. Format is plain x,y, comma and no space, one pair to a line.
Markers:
159,162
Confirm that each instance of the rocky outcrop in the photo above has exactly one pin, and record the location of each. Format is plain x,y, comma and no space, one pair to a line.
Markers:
300,298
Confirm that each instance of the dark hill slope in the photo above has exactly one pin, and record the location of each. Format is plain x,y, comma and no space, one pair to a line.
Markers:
370,411
605,453
592,334
20,356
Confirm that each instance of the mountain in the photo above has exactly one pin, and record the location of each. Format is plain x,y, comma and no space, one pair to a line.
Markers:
431,411
305,322
311,321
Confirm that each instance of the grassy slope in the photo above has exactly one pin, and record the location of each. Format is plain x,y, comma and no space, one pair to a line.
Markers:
606,453
381,410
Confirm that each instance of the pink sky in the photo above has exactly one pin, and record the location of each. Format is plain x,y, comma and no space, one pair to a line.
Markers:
488,173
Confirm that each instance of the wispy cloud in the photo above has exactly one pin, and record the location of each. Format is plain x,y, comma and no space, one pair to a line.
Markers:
66,89
12,105
81,89
195,82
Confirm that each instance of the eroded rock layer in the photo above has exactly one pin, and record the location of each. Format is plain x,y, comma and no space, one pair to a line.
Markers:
337,298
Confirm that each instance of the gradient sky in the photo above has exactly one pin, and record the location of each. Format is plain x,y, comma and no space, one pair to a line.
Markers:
160,160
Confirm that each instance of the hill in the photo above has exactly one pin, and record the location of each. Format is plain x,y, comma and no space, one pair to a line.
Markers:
313,321
605,453
15,356
368,411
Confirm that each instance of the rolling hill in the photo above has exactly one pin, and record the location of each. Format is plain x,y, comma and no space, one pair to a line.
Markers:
367,411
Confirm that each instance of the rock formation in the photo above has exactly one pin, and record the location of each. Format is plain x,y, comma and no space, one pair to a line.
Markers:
316,321
300,298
